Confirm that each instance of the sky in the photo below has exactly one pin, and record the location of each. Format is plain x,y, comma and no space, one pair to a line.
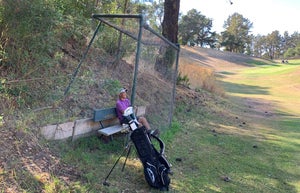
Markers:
266,15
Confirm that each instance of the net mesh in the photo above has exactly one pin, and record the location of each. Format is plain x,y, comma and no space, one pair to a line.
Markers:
142,61
121,52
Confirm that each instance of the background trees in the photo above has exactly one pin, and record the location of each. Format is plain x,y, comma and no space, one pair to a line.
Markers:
273,44
31,30
195,29
276,46
291,45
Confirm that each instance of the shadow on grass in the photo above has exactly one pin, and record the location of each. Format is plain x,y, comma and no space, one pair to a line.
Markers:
227,73
262,63
244,89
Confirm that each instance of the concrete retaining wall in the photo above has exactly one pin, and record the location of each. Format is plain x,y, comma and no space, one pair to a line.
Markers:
78,128
74,130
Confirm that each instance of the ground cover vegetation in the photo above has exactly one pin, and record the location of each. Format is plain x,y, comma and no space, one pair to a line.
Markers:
242,140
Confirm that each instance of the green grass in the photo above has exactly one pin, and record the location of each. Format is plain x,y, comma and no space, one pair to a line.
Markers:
229,151
260,62
211,138
278,83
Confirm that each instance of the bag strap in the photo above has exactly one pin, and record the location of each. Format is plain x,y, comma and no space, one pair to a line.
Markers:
161,144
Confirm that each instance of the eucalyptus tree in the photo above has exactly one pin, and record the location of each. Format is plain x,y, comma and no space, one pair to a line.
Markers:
236,36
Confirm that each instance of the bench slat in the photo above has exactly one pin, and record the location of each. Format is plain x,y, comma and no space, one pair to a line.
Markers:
104,114
111,130
108,116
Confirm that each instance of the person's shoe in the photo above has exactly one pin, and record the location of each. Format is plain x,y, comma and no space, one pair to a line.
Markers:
154,132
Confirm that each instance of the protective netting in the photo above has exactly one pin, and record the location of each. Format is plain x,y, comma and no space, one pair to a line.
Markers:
121,52
140,60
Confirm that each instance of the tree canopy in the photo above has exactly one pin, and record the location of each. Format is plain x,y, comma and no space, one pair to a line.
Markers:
195,29
236,36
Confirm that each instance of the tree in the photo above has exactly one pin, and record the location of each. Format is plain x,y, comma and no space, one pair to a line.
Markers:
294,39
292,45
170,21
153,13
195,28
286,41
274,46
258,44
169,31
273,42
236,36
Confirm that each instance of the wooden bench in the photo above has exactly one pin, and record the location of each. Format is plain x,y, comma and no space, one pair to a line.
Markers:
109,122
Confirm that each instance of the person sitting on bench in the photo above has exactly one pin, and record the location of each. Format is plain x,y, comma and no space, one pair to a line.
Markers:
122,103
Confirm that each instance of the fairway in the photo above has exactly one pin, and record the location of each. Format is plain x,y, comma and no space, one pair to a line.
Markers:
247,141
272,94
279,84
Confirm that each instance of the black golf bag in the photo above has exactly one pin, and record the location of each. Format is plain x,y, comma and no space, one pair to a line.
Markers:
156,167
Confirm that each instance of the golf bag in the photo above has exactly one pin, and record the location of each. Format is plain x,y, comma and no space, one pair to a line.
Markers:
156,167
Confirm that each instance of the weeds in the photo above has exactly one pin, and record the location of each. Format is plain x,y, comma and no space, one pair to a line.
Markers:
183,80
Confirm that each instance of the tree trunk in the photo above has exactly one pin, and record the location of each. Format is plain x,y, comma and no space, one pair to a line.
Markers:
170,21
170,31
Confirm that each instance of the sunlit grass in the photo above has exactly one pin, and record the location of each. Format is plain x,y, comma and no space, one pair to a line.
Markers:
280,83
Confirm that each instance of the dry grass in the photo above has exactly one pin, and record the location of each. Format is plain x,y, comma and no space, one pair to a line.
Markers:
200,76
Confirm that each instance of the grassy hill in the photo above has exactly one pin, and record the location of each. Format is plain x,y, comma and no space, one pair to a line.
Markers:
230,134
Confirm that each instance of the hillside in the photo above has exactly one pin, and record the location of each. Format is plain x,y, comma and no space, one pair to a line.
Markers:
216,60
201,64
28,163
